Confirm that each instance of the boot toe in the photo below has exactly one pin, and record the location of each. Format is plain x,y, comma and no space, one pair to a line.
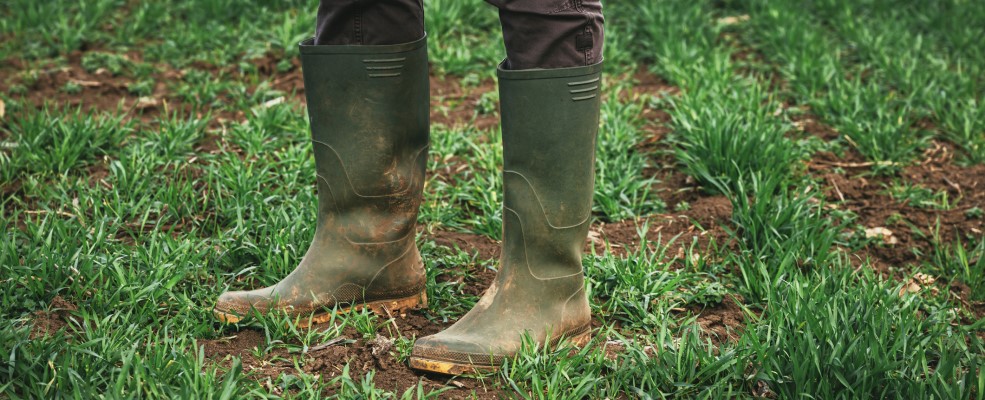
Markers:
450,355
235,305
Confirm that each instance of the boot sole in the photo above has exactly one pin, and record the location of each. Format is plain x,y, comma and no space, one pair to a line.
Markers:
458,368
383,308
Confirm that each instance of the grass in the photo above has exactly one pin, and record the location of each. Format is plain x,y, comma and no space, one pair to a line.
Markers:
50,144
122,226
827,336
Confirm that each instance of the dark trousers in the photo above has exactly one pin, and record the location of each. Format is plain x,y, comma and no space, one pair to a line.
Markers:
537,33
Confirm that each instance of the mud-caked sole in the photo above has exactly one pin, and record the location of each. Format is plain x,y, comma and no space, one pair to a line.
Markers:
383,308
459,368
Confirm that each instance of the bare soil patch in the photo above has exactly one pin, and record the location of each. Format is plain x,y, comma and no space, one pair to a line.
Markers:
916,229
722,322
98,90
484,247
327,360
701,225
47,323
455,105
289,80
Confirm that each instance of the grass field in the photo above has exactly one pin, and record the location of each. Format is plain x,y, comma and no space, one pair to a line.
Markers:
790,204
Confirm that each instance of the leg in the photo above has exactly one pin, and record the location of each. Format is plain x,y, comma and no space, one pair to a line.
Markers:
550,102
551,34
368,110
369,22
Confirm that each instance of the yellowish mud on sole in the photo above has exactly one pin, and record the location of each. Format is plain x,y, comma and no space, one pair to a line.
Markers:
457,368
383,308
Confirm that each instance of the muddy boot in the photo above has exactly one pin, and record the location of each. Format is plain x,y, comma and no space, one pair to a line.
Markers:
550,121
368,108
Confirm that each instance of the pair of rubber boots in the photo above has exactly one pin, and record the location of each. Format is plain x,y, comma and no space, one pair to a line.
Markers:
369,109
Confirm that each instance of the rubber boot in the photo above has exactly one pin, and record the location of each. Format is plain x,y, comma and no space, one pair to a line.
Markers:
550,121
368,109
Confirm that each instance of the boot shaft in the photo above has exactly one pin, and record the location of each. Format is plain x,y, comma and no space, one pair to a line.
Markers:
368,109
550,124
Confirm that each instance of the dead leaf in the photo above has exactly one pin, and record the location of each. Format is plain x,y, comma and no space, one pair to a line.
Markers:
924,279
327,344
273,102
3,109
594,236
87,83
917,283
732,20
147,102
381,344
909,287
880,232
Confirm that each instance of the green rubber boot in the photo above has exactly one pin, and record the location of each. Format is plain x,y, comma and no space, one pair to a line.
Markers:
368,108
550,122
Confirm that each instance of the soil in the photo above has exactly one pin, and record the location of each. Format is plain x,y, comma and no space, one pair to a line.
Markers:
721,322
462,103
289,81
369,354
647,86
451,169
915,229
850,184
484,247
362,354
103,91
56,318
702,225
